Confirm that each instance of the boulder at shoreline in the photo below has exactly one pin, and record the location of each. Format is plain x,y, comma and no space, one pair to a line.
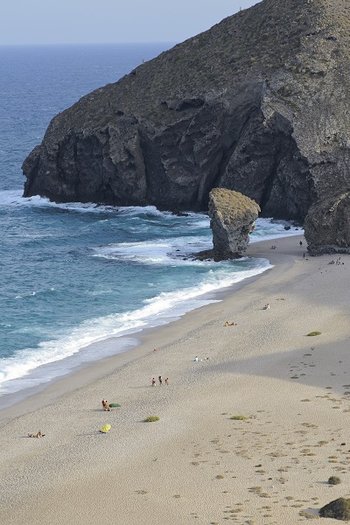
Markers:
338,509
232,218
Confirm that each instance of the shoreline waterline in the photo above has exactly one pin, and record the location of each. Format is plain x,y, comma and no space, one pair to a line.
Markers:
89,273
98,348
79,370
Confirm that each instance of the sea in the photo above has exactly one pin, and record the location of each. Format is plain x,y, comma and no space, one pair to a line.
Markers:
75,275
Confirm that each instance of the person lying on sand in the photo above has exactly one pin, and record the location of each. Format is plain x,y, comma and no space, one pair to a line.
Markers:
267,306
37,435
230,323
105,405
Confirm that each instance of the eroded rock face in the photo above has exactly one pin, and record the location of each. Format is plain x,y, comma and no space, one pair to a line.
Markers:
258,104
232,218
327,226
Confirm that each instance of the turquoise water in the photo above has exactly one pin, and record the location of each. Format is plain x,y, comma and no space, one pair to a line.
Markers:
77,274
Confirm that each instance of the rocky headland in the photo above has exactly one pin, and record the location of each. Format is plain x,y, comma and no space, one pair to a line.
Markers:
258,104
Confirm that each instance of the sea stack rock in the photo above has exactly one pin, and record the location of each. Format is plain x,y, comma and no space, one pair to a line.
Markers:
232,218
258,104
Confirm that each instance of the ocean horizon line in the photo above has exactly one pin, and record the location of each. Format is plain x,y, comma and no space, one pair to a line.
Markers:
86,44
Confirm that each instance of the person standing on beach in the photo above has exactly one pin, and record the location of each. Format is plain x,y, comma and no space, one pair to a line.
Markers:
166,380
160,380
153,382
105,405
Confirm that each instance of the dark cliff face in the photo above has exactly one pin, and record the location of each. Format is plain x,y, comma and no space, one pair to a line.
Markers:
258,104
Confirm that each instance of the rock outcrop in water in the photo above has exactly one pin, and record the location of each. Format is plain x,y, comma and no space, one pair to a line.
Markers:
258,104
232,218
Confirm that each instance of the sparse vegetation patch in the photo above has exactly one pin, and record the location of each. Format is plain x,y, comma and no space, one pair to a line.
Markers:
334,480
151,419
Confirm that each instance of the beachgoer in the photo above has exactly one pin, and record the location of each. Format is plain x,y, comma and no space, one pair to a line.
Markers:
37,435
300,243
166,380
160,380
196,359
153,382
267,306
105,405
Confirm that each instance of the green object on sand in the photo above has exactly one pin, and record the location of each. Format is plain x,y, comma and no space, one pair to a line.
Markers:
151,419
114,405
312,334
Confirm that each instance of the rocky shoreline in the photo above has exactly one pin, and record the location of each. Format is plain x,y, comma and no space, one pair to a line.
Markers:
258,104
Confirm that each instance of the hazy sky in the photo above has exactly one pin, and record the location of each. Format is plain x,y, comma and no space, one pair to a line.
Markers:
104,21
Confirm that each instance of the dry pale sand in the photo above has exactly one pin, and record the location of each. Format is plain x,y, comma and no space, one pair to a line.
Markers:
196,464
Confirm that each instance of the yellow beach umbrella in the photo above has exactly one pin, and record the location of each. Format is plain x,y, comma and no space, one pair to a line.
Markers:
105,428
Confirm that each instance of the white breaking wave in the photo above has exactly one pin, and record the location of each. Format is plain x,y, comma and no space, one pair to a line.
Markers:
266,228
15,198
159,310
182,250
144,210
173,251
270,229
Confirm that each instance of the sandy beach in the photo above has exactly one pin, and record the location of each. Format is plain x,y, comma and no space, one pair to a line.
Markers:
249,434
